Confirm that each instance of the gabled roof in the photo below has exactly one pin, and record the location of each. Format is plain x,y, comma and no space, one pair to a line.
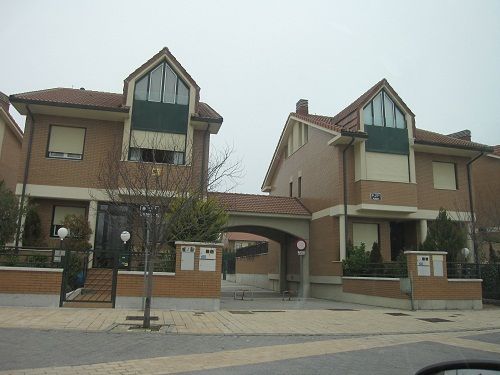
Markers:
66,97
87,99
163,52
12,124
267,204
426,137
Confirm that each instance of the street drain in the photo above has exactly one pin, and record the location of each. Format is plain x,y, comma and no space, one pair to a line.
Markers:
138,317
240,312
267,311
342,310
139,328
398,314
434,320
199,313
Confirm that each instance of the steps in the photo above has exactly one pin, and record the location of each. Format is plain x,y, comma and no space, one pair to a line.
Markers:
97,290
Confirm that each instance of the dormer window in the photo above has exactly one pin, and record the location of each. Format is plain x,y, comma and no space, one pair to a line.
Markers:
382,111
162,85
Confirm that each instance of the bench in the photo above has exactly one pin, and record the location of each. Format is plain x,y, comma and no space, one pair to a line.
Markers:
242,293
288,293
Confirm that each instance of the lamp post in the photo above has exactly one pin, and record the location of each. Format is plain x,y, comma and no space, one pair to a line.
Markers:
62,233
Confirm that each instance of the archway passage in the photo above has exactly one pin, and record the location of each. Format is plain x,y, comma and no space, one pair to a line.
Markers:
281,219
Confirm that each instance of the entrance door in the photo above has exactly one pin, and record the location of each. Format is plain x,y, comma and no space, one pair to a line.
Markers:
397,238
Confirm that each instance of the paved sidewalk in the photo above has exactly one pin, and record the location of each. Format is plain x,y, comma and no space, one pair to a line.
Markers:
251,322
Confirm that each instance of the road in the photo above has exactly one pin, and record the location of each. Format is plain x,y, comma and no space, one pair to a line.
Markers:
52,351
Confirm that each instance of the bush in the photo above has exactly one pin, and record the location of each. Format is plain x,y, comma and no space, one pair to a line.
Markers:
357,260
32,233
375,255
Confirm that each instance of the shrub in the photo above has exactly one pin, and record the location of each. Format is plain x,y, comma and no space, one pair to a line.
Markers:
357,260
375,255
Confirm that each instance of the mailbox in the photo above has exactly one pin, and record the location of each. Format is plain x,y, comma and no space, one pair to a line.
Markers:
423,265
208,257
437,265
187,258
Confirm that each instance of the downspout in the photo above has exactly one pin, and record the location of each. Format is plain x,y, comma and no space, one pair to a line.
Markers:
344,181
204,160
25,177
471,205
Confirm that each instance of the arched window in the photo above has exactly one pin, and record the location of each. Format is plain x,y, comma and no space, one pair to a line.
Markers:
161,84
382,111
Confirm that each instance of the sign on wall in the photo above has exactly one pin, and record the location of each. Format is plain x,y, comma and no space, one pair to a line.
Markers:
208,256
301,247
375,196
187,258
423,265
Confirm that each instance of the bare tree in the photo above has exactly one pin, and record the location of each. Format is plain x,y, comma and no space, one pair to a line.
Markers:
155,186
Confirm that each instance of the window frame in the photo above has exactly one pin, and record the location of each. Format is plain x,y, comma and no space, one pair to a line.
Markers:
165,65
47,152
153,151
455,175
52,233
395,107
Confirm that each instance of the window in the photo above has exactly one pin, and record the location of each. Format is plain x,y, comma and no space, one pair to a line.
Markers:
387,167
445,176
66,142
298,137
291,189
382,111
59,213
162,84
156,156
299,187
366,233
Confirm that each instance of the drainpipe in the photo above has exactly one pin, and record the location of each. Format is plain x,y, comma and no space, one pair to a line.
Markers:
344,180
471,205
25,178
204,159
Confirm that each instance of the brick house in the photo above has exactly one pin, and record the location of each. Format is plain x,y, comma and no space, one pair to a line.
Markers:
69,132
368,174
11,139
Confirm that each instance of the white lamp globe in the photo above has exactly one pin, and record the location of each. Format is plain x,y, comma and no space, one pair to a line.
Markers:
465,252
125,236
62,233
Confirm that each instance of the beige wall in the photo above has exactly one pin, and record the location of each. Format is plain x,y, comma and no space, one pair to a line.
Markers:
262,264
324,246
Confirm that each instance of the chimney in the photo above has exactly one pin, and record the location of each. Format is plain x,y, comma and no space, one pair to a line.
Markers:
463,135
4,102
302,107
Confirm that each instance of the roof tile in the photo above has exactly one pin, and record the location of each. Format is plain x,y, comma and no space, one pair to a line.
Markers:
254,203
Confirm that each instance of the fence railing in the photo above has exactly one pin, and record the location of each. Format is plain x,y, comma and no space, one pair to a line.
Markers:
135,261
40,257
257,249
460,270
488,272
389,269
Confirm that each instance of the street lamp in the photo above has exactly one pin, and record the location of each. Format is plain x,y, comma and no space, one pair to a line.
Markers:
465,253
125,236
62,233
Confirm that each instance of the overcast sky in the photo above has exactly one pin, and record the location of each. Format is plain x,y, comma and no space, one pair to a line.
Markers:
253,60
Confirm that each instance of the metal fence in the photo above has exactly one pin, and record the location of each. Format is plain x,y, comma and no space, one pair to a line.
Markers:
249,251
388,269
488,272
40,257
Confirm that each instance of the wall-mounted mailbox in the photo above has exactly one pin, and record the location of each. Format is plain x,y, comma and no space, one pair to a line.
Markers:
437,265
423,265
208,256
187,258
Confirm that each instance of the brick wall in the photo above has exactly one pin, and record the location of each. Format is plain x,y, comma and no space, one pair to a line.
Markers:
320,185
29,282
9,158
184,284
262,264
324,246
432,199
373,287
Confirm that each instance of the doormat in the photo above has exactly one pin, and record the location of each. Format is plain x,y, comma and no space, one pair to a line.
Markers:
138,317
398,314
240,312
342,309
435,320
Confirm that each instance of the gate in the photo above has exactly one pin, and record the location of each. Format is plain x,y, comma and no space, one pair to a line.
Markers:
89,277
